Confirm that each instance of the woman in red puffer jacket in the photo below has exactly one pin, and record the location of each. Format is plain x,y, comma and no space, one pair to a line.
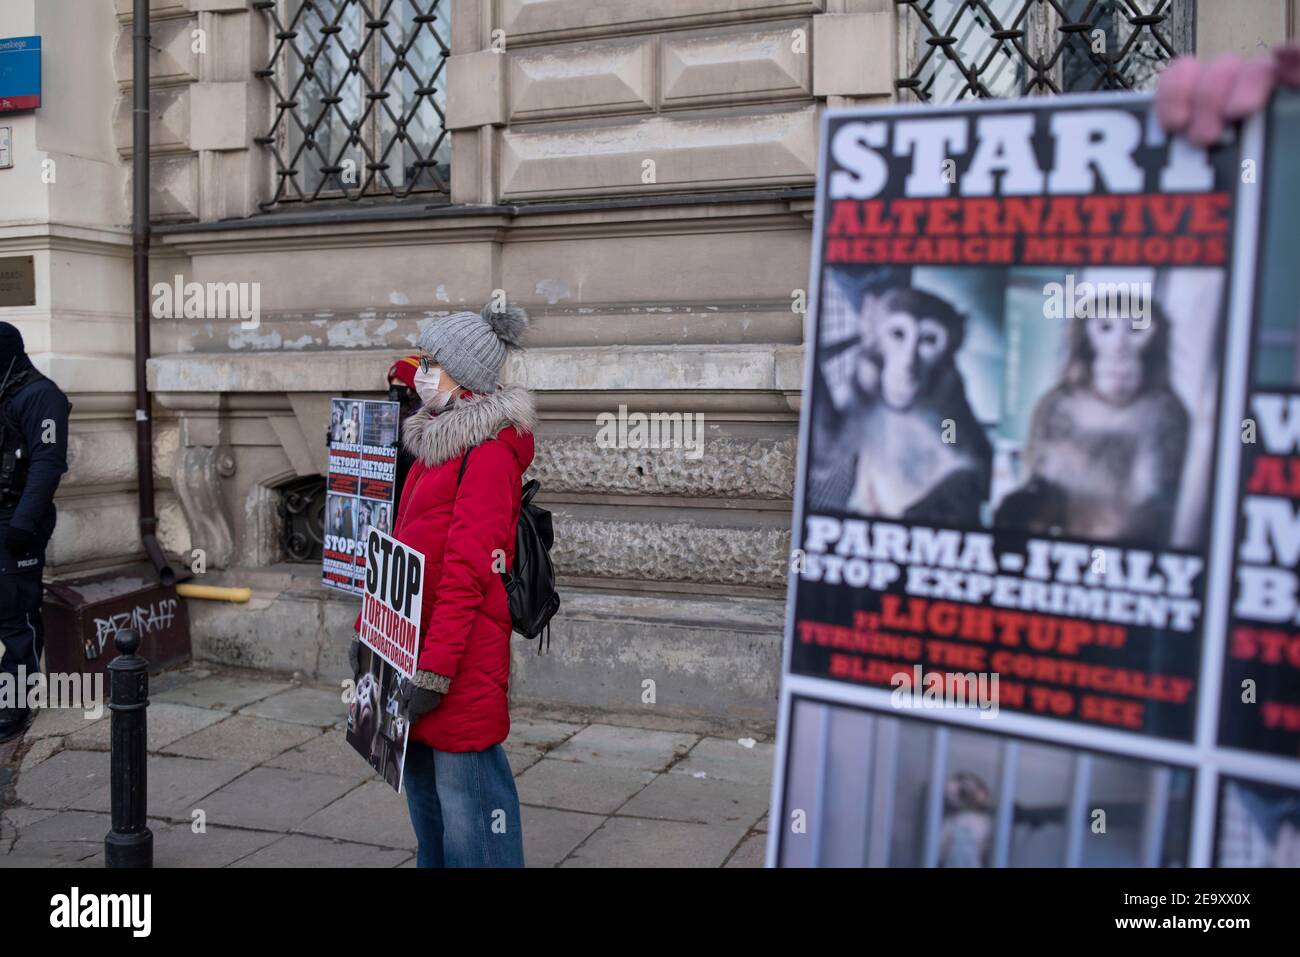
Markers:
472,442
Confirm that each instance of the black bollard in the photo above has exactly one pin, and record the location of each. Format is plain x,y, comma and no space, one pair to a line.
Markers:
130,842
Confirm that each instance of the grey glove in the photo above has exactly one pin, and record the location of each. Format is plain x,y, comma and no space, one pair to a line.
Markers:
423,693
417,702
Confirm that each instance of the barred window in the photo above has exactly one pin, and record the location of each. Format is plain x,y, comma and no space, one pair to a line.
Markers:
358,98
970,49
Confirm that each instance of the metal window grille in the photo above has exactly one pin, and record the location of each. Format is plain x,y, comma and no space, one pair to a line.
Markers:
972,49
359,98
302,519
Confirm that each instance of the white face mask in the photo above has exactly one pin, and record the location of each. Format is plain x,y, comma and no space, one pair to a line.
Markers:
426,386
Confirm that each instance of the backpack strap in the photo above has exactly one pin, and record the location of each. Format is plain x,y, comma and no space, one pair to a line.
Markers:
12,383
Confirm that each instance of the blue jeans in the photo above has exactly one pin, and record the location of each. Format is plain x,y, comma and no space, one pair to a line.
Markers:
464,807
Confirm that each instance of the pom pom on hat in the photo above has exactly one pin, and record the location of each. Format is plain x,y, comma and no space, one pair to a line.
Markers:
508,323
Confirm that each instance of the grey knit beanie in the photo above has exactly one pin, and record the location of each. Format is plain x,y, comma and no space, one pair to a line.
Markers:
472,346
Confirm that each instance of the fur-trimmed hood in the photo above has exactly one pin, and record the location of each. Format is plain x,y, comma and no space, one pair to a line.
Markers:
471,419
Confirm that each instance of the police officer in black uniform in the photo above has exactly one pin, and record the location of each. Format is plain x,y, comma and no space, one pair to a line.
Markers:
33,457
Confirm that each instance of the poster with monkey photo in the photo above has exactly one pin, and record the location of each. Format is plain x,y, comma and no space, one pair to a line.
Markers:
360,484
1049,491
1014,409
1260,701
389,632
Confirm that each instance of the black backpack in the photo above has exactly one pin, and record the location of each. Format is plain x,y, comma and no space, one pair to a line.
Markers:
530,583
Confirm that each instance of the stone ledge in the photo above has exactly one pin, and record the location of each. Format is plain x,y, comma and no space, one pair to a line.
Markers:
719,658
530,21
625,368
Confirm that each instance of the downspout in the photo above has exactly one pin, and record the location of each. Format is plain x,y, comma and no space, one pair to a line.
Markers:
140,263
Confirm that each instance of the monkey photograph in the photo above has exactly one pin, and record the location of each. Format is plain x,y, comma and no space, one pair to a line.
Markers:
364,713
956,397
381,420
345,421
903,440
1118,443
340,516
1107,443
376,727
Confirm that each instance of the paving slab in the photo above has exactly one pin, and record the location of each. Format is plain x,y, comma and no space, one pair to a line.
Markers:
751,853
57,854
176,784
637,842
40,750
726,758
64,826
536,734
253,739
550,835
572,786
57,722
521,761
177,845
637,748
272,799
681,797
221,693
316,707
63,778
20,817
300,850
167,722
371,814
327,753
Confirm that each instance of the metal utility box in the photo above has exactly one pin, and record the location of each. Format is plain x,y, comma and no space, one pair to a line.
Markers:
83,615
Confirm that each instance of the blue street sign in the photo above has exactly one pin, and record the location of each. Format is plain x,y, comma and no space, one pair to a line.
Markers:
20,74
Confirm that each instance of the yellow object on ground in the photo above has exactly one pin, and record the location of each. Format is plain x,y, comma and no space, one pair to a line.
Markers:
214,593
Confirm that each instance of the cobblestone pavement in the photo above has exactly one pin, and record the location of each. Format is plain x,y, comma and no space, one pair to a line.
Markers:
263,764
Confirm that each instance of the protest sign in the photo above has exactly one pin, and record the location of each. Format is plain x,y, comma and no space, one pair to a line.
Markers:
1020,445
359,487
390,639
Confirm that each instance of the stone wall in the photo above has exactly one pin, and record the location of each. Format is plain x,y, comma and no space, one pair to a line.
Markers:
638,175
672,292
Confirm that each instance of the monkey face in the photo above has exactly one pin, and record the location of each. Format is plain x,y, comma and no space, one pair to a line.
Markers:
1117,365
911,350
967,792
366,703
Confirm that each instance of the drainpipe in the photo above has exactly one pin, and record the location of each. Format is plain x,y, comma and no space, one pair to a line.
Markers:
140,263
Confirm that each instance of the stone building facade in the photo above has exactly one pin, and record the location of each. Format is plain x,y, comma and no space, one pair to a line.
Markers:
638,175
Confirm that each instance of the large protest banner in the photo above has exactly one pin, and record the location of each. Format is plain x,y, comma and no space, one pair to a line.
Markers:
1022,431
362,475
390,644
